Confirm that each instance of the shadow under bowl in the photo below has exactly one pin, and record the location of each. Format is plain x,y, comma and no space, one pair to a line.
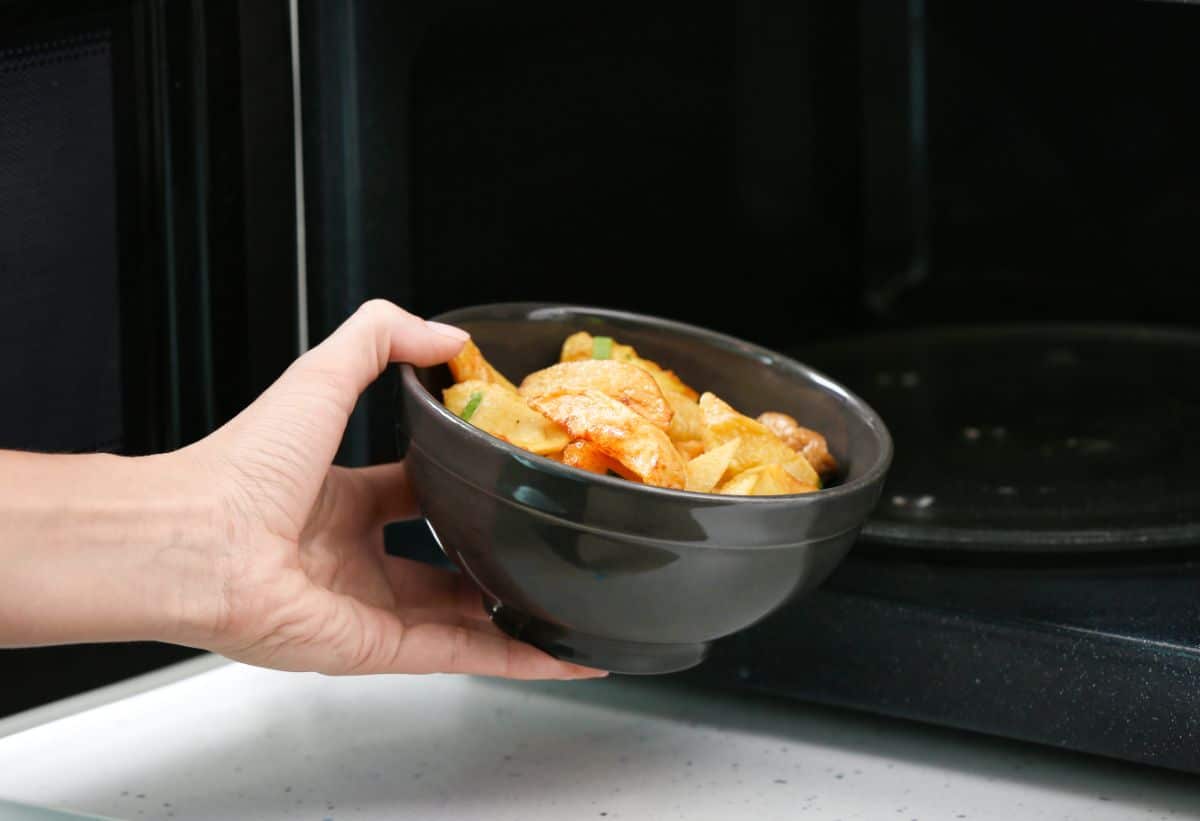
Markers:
609,573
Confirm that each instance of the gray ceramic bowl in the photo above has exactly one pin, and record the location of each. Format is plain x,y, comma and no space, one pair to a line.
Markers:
614,574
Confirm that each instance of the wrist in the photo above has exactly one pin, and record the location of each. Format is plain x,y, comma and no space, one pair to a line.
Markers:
104,548
166,528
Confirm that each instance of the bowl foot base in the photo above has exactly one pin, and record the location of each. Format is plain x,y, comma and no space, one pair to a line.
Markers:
614,655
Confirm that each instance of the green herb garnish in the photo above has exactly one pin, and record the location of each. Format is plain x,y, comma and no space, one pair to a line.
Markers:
472,406
602,347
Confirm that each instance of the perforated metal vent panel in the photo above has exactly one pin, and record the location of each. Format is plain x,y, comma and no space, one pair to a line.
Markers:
59,301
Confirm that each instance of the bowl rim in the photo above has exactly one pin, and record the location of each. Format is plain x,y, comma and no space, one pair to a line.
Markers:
537,310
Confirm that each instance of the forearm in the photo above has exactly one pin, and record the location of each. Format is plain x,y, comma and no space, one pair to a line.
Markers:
97,548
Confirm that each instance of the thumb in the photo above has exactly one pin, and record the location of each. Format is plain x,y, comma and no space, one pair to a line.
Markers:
358,351
303,414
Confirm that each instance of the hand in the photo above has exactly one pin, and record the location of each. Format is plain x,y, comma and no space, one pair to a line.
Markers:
249,543
305,583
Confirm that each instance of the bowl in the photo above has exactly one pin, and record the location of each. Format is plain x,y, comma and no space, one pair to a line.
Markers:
610,573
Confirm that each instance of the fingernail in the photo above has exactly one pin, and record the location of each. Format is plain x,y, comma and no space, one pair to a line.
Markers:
441,328
589,672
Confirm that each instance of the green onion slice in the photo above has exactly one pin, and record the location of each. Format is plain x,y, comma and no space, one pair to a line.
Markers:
472,406
602,347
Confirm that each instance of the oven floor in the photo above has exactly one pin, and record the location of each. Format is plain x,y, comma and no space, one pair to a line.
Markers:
1099,654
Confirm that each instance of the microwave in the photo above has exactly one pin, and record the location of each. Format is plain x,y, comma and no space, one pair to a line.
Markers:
149,269
980,217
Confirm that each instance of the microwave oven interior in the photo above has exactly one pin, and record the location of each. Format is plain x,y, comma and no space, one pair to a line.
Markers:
979,216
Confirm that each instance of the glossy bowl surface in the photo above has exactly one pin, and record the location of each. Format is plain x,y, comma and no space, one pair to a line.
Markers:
614,574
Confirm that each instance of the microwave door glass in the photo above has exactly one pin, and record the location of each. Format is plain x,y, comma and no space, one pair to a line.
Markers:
60,374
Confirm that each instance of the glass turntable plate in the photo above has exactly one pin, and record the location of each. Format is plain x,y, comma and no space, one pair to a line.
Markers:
1032,438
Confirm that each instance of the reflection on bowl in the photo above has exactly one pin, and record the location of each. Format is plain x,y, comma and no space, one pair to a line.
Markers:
613,574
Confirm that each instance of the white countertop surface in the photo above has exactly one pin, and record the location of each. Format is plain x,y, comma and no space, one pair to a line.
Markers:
230,742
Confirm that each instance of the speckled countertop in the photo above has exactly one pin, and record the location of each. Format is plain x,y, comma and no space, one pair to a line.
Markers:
230,741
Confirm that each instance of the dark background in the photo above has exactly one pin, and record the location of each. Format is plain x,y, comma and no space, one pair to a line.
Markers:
781,171
148,250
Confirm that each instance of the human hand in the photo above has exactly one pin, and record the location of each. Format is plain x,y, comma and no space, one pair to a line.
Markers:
294,574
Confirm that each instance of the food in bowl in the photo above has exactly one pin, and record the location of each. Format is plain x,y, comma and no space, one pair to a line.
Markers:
613,573
604,409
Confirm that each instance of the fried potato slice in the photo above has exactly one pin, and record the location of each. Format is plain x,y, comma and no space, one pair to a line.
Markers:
634,442
668,380
801,439
687,420
803,472
577,346
689,448
759,446
628,384
470,364
764,480
586,456
582,345
776,480
742,484
505,415
706,470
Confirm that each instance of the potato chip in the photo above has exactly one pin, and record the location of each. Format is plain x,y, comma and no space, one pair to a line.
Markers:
606,410
689,448
575,347
687,420
803,471
668,380
740,485
470,364
759,446
637,444
705,471
628,384
505,415
776,480
586,456
582,345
